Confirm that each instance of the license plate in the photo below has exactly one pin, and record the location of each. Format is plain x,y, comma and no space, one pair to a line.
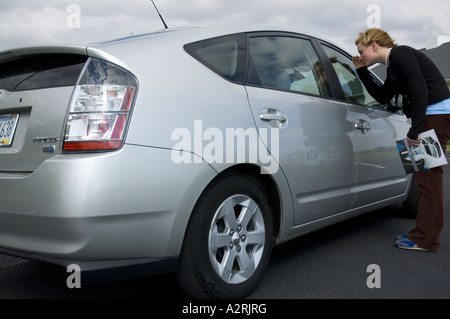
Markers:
8,123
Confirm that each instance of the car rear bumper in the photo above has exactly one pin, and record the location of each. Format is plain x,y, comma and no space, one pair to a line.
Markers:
128,205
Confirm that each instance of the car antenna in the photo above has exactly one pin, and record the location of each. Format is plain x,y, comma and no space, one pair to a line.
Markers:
165,25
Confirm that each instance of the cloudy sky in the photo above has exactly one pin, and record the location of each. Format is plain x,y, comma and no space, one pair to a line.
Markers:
31,22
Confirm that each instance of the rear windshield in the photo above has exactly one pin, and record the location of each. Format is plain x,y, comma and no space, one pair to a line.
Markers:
41,71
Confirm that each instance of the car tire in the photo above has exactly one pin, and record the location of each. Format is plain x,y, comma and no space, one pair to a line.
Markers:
228,241
411,204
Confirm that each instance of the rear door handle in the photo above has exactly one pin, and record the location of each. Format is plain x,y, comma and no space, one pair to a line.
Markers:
274,117
362,125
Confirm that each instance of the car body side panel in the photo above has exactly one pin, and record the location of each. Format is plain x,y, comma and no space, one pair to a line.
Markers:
206,124
178,95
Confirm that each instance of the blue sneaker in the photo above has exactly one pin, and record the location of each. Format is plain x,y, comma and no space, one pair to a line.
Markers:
402,236
405,243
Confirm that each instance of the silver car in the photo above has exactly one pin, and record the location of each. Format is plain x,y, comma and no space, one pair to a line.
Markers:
189,150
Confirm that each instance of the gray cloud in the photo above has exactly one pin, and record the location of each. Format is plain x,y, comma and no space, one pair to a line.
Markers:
28,22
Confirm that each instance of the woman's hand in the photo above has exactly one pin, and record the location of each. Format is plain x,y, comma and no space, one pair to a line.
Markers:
358,62
413,142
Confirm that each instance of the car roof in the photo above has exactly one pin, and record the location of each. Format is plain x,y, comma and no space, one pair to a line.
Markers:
178,36
195,33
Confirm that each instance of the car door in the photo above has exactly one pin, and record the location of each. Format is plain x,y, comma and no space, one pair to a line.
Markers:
380,172
288,91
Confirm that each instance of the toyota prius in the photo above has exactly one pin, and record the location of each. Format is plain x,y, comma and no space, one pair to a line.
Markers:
189,150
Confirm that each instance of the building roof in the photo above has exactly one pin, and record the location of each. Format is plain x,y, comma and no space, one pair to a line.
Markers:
440,56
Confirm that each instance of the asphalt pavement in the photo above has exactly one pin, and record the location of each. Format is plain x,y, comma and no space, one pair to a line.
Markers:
355,259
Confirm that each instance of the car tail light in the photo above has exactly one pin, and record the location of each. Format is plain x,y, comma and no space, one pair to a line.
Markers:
100,108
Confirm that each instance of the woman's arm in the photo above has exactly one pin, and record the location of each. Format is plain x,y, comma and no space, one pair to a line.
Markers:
383,94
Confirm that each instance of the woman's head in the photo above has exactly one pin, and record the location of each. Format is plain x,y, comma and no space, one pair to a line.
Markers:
373,46
382,38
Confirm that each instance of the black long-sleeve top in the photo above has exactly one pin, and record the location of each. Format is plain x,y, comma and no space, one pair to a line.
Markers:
412,74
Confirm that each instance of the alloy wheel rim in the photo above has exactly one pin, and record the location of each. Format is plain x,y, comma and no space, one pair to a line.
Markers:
236,239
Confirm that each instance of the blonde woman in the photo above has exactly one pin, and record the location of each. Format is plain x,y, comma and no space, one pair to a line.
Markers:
427,102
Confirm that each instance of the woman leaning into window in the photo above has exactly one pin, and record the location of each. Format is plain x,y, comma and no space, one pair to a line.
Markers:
427,102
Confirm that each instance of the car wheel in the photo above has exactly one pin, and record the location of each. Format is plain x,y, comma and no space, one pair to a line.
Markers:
411,204
228,241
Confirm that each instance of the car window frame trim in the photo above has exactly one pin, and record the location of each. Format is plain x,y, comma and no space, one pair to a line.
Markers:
320,43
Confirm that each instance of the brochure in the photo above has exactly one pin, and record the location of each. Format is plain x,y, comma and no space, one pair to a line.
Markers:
426,155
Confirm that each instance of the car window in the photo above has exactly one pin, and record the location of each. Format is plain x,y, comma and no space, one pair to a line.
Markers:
286,63
354,90
223,55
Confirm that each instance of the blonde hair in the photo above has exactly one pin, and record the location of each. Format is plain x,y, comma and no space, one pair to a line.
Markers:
375,35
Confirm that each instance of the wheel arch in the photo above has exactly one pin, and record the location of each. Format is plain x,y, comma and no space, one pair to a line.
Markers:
269,185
